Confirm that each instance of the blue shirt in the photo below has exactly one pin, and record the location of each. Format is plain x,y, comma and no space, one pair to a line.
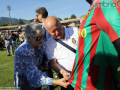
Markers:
45,33
26,72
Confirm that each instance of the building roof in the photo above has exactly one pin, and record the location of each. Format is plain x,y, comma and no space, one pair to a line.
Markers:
81,18
70,20
63,21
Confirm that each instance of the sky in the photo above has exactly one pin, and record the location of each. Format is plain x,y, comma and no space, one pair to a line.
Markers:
25,9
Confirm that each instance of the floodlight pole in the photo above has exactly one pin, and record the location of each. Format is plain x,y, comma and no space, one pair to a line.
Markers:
9,8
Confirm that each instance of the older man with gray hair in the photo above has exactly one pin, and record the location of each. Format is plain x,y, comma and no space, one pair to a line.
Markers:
28,73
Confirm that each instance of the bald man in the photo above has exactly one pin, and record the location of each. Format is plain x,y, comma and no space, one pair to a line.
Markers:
61,58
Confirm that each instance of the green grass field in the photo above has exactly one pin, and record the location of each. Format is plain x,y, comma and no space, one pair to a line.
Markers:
7,68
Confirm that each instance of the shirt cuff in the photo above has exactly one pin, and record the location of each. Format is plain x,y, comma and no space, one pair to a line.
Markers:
46,80
49,81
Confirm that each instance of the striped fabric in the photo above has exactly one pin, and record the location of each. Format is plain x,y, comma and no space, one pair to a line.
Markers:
95,66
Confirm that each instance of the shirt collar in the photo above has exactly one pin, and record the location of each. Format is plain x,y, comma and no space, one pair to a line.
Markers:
30,48
42,24
66,32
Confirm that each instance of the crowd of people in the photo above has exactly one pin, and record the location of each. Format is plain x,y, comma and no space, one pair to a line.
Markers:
1,42
9,40
85,59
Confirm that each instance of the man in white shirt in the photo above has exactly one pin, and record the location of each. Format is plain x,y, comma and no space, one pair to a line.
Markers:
61,58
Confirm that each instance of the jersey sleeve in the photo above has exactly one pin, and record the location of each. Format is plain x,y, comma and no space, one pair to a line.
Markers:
108,20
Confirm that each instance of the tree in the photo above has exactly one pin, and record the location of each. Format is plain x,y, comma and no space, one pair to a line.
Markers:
20,21
65,18
30,21
59,18
73,16
4,24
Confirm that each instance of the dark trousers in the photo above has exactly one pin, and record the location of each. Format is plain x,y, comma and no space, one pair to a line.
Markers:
38,89
68,88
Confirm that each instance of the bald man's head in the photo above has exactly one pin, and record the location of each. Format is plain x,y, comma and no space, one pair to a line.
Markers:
54,27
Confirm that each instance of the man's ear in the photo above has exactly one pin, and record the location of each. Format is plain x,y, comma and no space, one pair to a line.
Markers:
41,15
28,38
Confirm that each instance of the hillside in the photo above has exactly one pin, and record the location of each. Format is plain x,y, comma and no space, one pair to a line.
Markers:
13,20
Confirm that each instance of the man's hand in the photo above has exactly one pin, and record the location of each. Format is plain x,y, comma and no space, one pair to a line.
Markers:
62,82
64,73
36,19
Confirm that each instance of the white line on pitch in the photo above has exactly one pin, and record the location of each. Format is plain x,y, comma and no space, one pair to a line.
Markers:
6,64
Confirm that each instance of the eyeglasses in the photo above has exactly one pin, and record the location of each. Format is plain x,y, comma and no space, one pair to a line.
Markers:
38,38
36,15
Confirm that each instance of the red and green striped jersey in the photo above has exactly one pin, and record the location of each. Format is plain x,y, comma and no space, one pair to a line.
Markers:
95,66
